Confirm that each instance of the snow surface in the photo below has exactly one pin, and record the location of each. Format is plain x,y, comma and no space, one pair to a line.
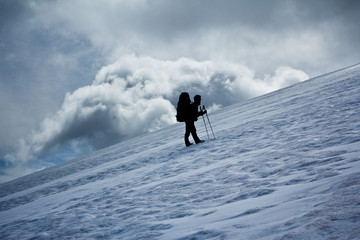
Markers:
285,165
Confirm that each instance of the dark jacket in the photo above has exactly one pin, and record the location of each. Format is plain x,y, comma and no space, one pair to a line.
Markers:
193,113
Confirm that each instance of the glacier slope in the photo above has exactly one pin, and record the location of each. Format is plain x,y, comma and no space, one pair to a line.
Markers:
285,165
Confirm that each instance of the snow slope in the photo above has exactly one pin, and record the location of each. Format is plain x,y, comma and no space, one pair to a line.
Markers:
285,165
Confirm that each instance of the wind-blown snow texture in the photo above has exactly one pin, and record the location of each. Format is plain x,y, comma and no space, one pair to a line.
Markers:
285,165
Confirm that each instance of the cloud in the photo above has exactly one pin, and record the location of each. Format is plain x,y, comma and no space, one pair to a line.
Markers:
136,95
262,35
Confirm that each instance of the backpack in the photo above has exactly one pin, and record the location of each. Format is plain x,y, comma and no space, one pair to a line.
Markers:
183,107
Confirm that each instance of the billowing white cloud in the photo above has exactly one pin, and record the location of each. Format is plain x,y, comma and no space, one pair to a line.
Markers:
136,95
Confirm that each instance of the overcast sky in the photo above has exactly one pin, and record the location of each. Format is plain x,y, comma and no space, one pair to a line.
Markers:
78,75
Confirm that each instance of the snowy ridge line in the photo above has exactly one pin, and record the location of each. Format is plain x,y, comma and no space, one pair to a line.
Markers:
283,166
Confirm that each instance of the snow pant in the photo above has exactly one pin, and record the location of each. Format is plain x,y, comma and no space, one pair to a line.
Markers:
190,128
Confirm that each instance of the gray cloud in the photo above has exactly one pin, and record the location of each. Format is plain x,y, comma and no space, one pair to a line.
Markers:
261,34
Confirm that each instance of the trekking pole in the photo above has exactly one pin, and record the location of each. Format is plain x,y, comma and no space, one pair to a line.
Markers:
209,122
205,125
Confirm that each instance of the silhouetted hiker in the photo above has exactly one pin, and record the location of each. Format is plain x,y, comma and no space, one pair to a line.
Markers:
188,112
